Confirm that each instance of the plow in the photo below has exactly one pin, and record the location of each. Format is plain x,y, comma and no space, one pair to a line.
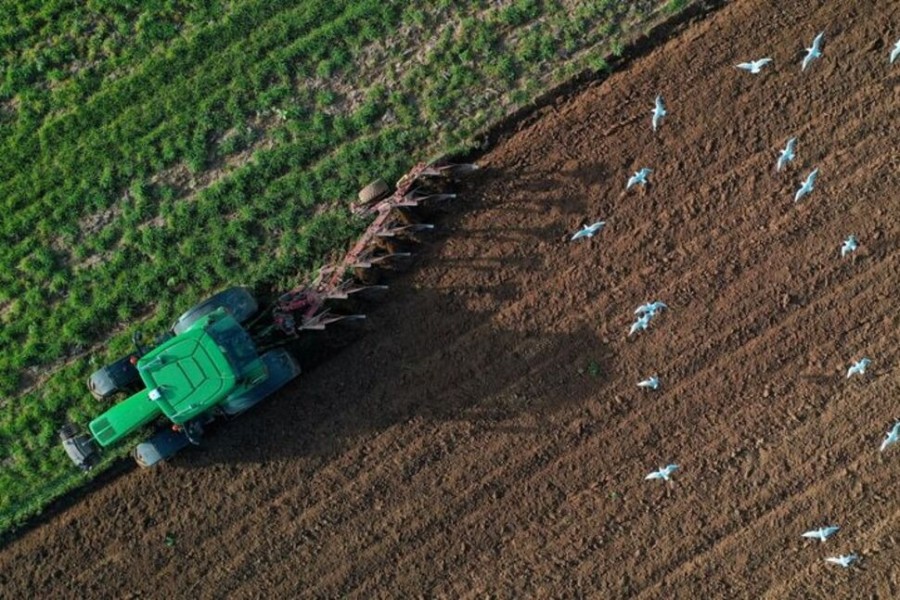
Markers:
225,354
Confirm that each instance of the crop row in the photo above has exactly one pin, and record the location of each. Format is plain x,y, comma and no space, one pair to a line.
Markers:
70,277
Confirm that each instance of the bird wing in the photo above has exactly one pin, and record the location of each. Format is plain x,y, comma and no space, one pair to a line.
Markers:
792,143
895,52
829,531
807,59
745,66
837,560
659,104
811,534
817,42
654,475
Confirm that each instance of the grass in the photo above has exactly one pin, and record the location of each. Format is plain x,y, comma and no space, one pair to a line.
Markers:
157,151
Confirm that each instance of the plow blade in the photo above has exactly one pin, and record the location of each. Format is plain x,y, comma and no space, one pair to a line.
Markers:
368,263
404,229
413,199
343,294
320,322
451,171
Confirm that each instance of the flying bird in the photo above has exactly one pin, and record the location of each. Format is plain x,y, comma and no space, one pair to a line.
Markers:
858,368
807,186
652,383
754,66
641,324
638,178
850,244
659,111
891,437
650,308
822,534
895,52
787,155
844,559
588,231
814,51
664,473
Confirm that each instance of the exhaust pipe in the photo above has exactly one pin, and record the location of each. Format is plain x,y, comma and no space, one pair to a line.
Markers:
79,446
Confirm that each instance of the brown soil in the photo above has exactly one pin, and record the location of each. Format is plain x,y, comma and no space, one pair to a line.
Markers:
487,437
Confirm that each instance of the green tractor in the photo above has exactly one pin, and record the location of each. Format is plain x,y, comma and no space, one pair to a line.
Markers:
207,365
224,355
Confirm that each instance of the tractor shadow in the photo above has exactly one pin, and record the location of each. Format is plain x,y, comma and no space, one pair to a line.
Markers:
461,336
404,367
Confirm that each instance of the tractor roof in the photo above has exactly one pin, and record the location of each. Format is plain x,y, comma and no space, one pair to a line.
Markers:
191,372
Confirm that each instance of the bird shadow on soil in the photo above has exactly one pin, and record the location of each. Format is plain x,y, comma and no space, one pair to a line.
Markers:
467,350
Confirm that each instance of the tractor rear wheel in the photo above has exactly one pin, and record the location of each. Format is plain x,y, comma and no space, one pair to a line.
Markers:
237,300
282,367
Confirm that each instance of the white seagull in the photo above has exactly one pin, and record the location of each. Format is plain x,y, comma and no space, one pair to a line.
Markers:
588,231
641,324
859,367
814,51
638,178
754,66
787,155
844,559
895,52
652,383
850,244
822,533
807,186
664,473
892,437
650,308
659,111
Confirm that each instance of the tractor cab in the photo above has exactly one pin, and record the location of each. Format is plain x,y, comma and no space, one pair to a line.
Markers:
186,376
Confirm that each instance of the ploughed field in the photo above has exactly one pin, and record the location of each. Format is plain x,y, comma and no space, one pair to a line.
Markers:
487,436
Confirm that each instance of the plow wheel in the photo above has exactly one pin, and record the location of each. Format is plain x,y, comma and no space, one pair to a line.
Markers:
376,190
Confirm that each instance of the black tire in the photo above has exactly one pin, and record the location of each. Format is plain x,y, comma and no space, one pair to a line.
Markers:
237,300
163,444
282,367
376,190
120,376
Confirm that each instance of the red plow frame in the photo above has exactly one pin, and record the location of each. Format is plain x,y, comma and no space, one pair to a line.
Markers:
304,307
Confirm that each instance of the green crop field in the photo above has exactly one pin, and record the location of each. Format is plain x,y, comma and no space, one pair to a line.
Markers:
154,151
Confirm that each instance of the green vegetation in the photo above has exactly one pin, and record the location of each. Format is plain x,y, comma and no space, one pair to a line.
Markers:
155,151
